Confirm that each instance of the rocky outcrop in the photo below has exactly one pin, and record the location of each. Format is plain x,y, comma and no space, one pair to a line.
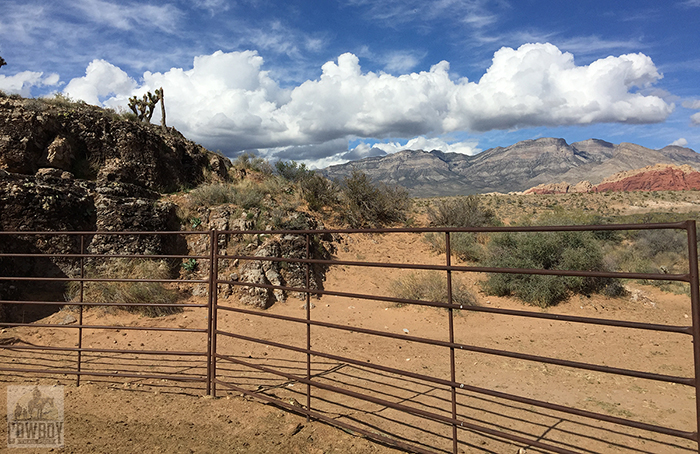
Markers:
52,200
96,144
73,167
653,178
265,272
659,177
561,188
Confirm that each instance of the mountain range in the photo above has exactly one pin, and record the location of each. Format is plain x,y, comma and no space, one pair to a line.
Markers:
514,168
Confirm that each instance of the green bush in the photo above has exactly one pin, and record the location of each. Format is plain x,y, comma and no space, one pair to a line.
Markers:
291,171
118,293
463,245
213,194
365,204
550,251
431,286
460,212
465,211
319,192
61,100
248,197
248,161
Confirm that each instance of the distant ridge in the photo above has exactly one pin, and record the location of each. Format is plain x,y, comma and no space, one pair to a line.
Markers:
515,168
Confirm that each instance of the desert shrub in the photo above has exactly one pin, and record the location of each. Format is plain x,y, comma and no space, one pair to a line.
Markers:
129,116
656,242
463,245
119,293
248,197
61,100
291,171
564,216
549,251
460,212
34,105
249,161
655,251
212,194
364,204
431,286
465,211
319,192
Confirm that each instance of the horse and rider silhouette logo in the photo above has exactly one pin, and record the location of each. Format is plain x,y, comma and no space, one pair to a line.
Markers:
35,406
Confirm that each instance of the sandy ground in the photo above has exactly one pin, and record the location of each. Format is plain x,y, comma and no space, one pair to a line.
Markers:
131,414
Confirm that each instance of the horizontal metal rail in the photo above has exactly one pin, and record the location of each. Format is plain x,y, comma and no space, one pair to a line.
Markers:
564,318
213,377
504,353
682,225
88,304
99,279
473,269
99,232
476,389
115,327
102,350
107,256
172,377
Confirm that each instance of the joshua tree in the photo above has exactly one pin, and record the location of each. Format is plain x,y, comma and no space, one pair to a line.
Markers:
159,93
2,62
145,106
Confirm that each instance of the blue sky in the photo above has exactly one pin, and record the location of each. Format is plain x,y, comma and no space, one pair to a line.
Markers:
323,82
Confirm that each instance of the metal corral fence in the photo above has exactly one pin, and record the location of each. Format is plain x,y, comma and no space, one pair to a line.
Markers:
73,358
435,411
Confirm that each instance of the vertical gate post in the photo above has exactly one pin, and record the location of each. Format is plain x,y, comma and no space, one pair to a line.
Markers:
453,375
695,303
308,328
80,316
212,311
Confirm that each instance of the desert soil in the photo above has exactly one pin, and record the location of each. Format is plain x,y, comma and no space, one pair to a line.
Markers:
129,414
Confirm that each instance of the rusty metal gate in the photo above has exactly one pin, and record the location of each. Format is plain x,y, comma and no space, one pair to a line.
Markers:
305,369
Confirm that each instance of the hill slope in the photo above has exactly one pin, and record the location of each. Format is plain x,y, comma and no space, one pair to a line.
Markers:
515,168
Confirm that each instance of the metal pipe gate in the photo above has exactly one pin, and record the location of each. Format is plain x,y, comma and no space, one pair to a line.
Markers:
217,360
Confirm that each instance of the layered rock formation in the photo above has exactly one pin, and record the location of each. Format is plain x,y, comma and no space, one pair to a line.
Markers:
659,177
653,178
73,167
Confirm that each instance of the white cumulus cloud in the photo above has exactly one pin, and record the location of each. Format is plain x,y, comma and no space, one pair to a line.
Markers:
101,79
695,119
228,101
425,144
680,142
22,83
538,85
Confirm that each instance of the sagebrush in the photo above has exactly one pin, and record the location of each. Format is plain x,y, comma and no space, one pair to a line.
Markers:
365,204
580,251
431,286
465,211
117,294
